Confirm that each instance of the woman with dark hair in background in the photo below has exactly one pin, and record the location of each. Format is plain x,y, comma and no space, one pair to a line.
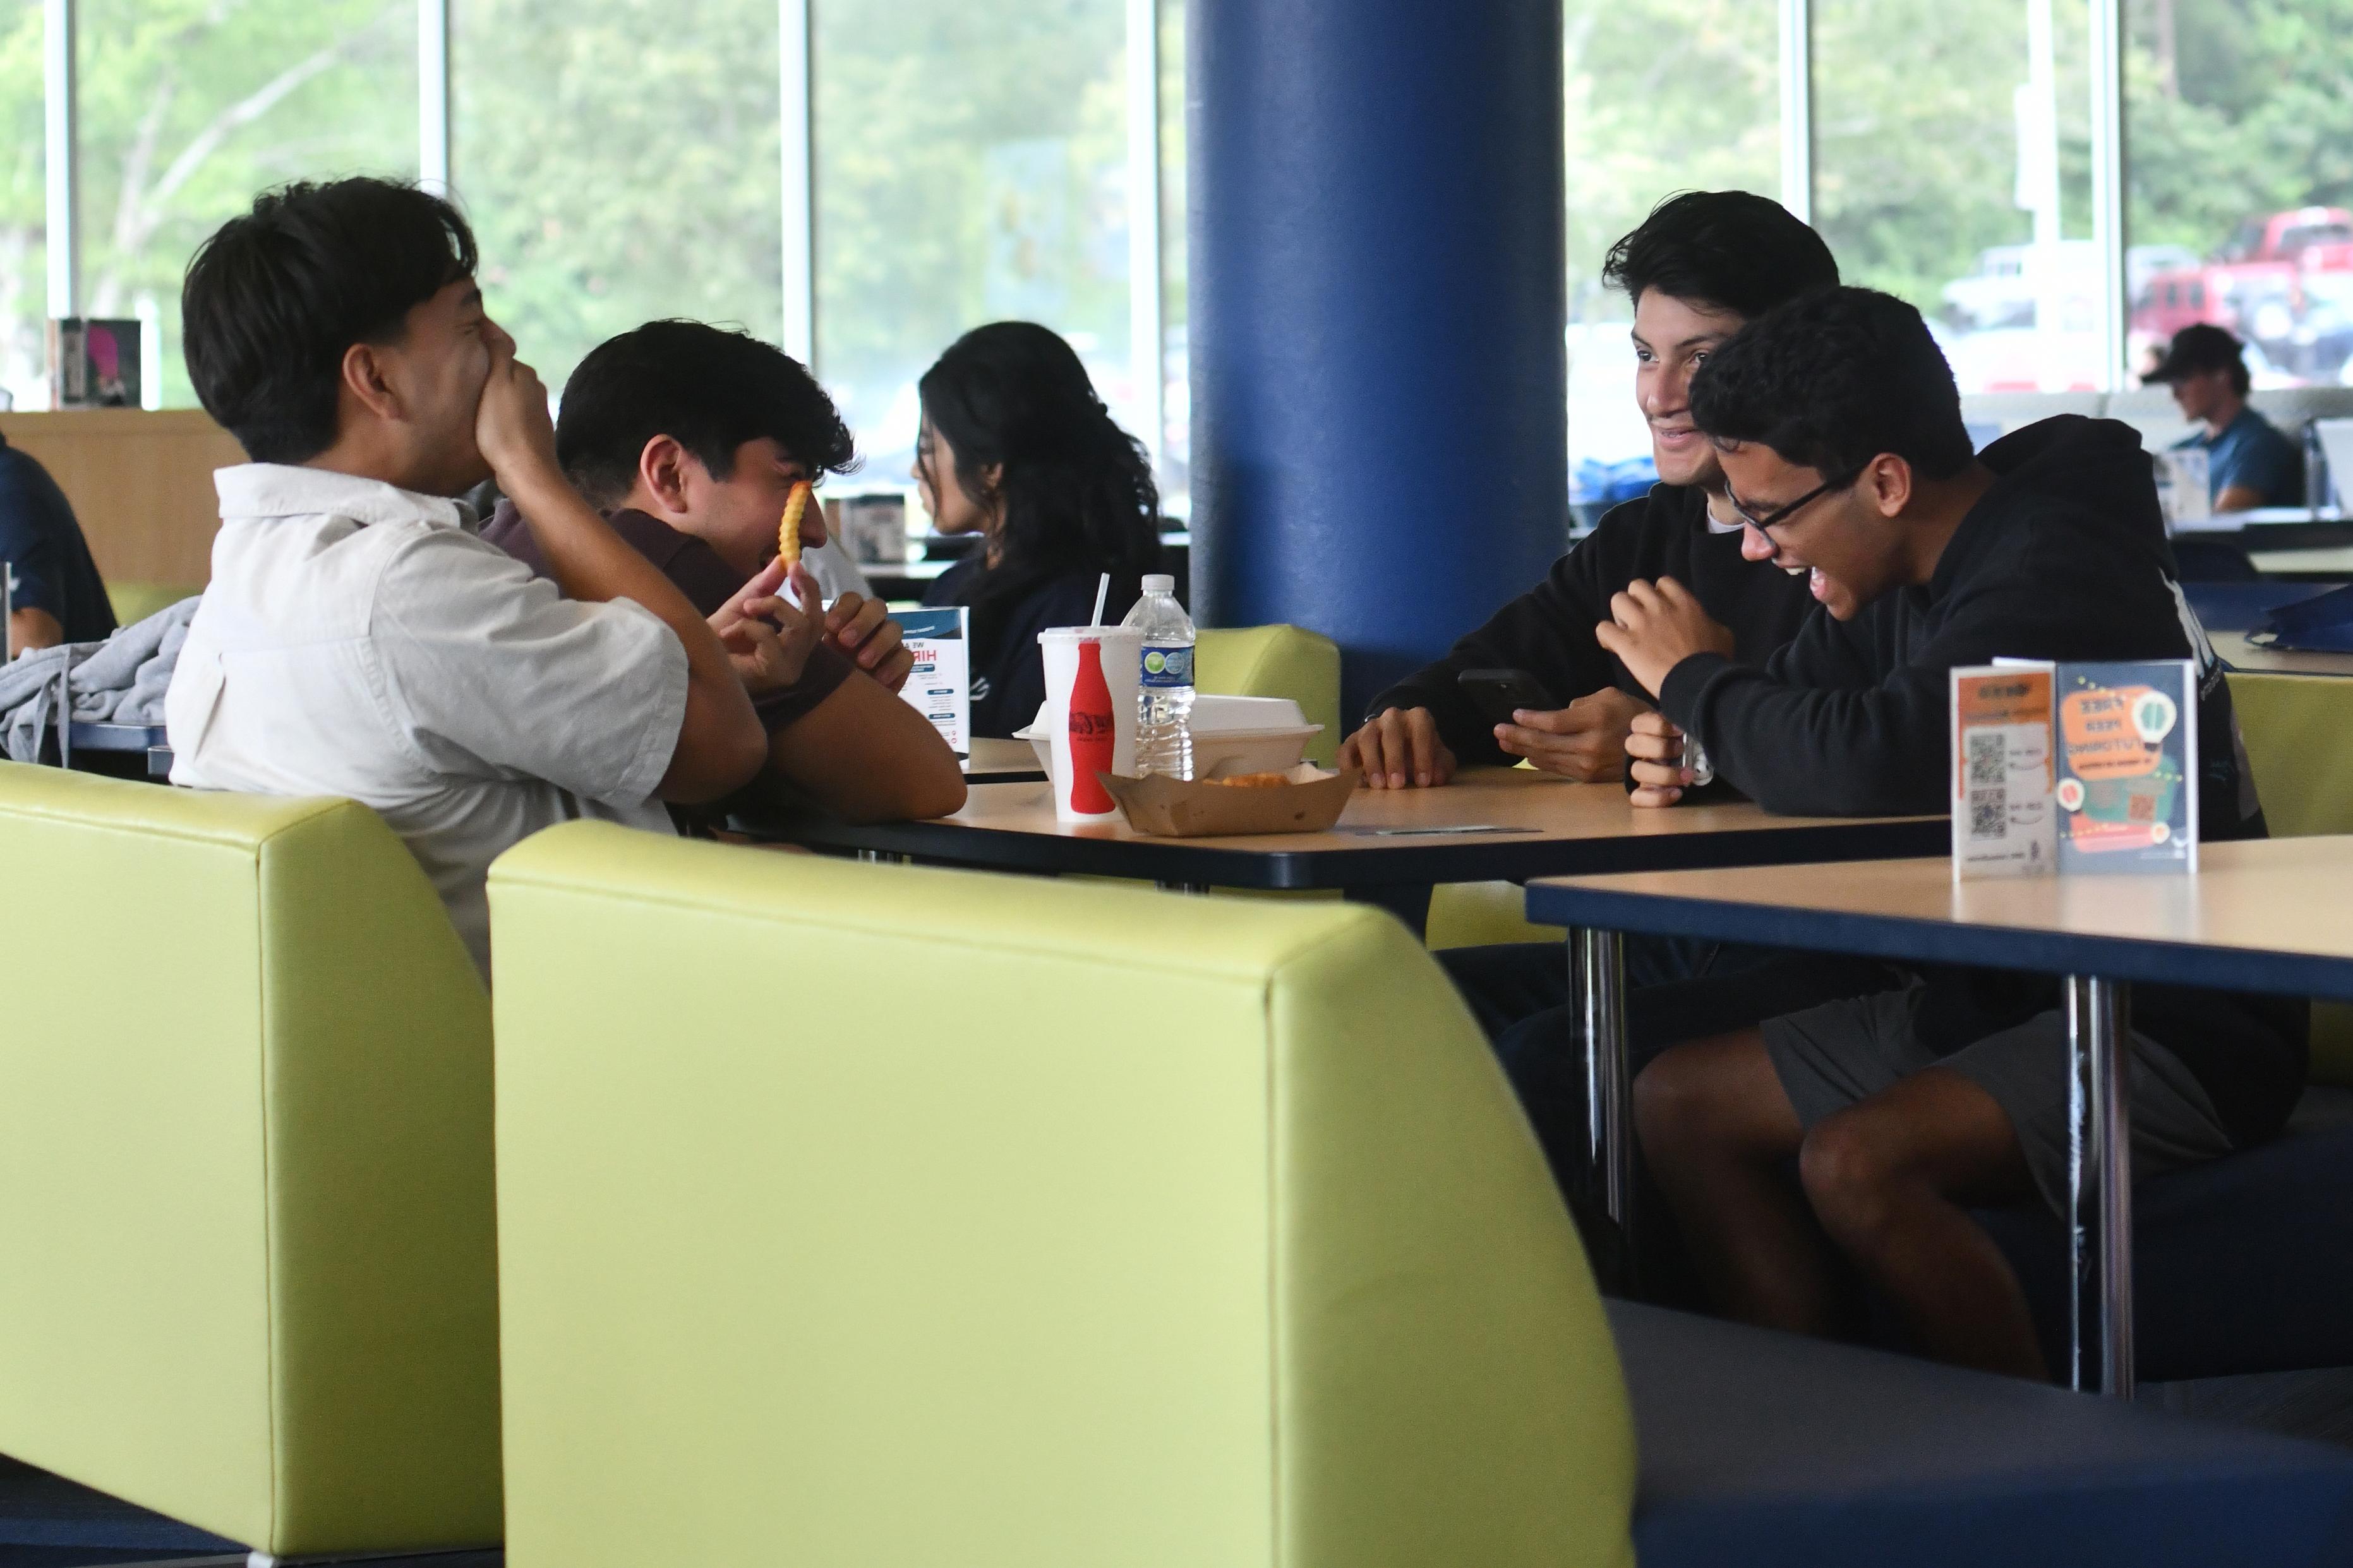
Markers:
1016,446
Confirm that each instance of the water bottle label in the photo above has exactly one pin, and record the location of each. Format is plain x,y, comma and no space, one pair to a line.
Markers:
1167,666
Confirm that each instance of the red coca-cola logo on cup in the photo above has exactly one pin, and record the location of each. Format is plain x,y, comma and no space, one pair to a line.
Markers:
1092,733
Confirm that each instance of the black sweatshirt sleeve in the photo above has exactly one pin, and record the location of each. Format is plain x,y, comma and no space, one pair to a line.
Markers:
1817,731
1547,631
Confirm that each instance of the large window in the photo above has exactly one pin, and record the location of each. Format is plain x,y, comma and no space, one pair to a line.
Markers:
2241,173
1663,96
189,107
981,159
971,166
621,162
24,254
1953,169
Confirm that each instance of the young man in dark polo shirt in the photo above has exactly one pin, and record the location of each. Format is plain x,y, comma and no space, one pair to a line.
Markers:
55,594
689,438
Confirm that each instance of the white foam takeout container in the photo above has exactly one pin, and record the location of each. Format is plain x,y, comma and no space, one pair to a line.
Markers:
1230,735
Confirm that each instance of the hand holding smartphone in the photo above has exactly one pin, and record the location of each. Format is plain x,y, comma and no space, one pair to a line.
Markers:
1499,693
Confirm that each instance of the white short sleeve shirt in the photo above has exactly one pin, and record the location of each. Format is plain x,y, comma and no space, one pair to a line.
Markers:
357,640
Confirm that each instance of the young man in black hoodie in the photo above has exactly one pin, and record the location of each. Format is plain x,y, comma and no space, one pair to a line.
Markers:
1841,439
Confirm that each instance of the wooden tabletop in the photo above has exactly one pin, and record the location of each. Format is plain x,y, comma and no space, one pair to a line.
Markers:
1521,824
2274,916
2241,653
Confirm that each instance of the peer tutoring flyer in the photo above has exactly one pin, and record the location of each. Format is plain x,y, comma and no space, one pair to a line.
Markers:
2127,790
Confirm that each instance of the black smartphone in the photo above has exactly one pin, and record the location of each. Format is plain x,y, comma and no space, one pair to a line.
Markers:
1498,693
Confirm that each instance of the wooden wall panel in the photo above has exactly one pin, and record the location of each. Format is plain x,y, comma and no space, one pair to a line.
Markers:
141,483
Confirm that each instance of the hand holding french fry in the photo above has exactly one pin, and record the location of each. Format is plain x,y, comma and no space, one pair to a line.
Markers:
767,639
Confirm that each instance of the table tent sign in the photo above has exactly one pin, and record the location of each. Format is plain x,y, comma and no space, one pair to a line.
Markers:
940,685
2074,768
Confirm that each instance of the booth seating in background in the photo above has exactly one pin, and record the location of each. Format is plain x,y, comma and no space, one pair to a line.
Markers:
2299,734
2002,412
244,1189
2151,409
1276,661
1128,1227
2245,1264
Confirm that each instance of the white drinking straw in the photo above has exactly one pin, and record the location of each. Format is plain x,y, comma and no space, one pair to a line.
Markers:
1103,591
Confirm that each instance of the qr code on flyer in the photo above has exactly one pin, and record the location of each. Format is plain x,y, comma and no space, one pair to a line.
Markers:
1989,759
1988,813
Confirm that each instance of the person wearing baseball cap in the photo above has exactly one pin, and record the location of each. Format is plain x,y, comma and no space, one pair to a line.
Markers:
2249,462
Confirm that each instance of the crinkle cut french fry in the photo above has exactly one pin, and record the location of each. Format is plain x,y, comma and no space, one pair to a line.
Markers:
788,533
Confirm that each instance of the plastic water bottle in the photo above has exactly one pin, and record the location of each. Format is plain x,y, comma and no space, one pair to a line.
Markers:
1163,686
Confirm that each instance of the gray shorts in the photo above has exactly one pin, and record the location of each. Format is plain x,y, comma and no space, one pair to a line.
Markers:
1830,1056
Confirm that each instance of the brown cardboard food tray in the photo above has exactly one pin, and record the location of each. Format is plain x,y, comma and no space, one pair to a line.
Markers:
1171,809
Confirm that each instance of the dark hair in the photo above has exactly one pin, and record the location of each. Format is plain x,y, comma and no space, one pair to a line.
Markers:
1730,249
1076,489
707,388
274,298
1831,380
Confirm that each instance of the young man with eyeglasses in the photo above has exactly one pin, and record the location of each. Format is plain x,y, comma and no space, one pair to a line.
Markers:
1840,435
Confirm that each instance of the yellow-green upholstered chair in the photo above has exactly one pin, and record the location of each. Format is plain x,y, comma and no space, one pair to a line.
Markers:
248,1256
2299,736
1473,914
853,1216
1277,661
134,602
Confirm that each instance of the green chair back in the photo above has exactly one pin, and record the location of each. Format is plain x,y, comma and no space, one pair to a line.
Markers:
134,602
245,1190
1277,661
1478,914
2299,734
855,1215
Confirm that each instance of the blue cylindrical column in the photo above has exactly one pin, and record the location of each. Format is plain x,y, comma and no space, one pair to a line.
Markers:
1376,304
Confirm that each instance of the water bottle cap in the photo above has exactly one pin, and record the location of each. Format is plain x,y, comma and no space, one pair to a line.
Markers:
1159,582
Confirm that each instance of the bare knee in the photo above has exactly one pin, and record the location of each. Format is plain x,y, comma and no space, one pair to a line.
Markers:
1853,1169
1702,1098
1670,1101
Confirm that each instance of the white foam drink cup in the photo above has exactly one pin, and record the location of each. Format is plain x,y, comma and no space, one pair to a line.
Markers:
1117,651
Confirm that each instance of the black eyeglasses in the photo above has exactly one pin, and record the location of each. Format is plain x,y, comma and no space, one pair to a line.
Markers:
1782,514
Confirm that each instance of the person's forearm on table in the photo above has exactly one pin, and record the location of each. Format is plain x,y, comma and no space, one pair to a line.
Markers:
866,754
1801,752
